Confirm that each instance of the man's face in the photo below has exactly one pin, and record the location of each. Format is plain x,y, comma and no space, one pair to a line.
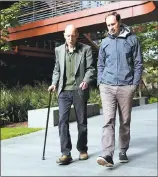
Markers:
113,25
71,37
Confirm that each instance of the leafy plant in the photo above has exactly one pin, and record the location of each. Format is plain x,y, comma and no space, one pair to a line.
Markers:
16,102
148,36
9,18
153,100
6,108
95,97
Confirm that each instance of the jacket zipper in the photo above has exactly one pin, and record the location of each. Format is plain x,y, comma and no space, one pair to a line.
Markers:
117,61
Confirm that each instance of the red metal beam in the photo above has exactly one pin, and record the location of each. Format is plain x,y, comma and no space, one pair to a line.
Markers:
88,17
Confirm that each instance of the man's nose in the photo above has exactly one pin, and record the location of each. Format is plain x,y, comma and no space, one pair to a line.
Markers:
110,28
70,38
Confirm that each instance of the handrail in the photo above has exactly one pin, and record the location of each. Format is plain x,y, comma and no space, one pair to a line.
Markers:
42,10
48,9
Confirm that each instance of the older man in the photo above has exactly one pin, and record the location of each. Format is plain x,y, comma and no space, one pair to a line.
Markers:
119,73
73,72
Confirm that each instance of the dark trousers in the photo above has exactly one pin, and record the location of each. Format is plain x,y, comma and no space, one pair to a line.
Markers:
66,99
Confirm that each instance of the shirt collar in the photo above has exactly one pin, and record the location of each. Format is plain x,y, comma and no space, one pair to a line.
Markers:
67,49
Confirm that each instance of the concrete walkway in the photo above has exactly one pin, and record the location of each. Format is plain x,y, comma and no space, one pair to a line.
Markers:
22,156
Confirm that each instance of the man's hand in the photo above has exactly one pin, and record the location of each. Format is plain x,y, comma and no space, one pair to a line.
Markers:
83,85
51,88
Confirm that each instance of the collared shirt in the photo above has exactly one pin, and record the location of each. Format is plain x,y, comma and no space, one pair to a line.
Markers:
67,48
70,58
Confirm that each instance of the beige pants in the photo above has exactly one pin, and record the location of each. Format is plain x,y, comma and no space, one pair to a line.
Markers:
113,97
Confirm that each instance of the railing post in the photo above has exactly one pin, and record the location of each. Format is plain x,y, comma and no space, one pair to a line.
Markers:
81,6
33,11
52,3
55,8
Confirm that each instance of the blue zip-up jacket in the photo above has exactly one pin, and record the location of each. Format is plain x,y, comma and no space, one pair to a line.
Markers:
120,59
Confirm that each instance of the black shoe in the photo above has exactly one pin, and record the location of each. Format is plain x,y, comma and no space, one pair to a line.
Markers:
123,157
105,161
64,159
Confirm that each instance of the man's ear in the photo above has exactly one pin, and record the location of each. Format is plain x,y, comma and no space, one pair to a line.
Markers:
64,35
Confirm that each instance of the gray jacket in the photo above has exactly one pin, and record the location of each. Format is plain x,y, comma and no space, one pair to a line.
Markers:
84,68
120,59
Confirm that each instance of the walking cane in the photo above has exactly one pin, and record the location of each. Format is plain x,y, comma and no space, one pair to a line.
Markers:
50,98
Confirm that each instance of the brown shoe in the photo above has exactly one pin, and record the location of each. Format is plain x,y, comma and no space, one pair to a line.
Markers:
83,156
64,159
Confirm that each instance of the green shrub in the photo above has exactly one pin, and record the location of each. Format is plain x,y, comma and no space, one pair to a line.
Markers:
153,100
95,97
6,108
16,102
150,92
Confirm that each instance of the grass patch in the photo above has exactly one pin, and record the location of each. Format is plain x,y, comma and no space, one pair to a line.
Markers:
7,133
